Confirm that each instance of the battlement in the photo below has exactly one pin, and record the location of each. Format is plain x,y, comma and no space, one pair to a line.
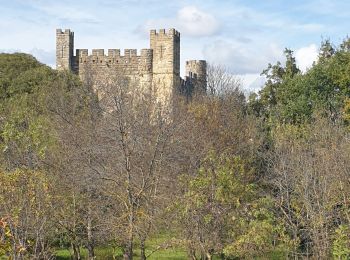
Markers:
65,32
115,53
196,62
163,32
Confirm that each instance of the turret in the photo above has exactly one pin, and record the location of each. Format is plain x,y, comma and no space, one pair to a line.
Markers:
196,73
166,51
64,49
166,63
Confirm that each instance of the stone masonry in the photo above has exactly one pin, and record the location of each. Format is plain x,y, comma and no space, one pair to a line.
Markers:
156,68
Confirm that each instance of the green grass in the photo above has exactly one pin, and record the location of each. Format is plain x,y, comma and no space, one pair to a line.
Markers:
176,252
106,253
103,253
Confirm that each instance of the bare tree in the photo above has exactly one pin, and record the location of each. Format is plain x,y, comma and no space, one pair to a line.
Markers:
132,153
220,81
309,168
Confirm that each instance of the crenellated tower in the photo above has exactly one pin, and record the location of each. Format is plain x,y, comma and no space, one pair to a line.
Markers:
64,49
166,62
156,69
196,74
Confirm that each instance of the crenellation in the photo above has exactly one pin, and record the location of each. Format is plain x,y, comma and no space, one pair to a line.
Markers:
113,52
146,52
162,32
127,53
98,52
172,31
130,53
82,52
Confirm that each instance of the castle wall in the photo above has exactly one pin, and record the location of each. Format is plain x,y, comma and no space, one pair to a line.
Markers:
156,69
104,68
130,63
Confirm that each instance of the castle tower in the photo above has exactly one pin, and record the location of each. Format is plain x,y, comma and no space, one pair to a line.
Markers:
196,73
64,49
166,63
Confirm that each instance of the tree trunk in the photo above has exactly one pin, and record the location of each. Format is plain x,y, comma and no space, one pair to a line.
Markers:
90,242
76,252
143,249
191,253
130,239
130,242
75,246
208,256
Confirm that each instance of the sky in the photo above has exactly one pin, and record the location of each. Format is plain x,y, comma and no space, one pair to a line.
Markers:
242,35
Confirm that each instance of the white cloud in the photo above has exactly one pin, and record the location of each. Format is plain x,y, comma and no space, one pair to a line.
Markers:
305,56
189,20
195,22
242,58
252,82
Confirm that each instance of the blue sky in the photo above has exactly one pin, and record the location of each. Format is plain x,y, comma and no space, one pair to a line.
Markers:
242,35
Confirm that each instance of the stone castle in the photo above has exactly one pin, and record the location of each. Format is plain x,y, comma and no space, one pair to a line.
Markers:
157,67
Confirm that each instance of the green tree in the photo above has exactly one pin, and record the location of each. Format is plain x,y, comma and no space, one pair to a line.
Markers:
292,97
341,243
29,92
223,213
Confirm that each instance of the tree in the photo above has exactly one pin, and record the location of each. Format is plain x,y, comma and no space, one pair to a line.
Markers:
212,198
327,50
276,77
31,133
129,155
79,206
308,167
220,81
25,211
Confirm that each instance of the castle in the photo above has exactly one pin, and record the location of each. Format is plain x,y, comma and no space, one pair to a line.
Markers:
157,67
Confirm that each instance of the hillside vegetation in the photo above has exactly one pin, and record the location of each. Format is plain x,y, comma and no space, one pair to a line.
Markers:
227,177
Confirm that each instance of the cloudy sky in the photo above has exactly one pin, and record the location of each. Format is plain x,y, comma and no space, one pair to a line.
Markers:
242,35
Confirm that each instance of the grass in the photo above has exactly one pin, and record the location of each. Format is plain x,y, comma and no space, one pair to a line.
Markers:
103,253
107,252
175,252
